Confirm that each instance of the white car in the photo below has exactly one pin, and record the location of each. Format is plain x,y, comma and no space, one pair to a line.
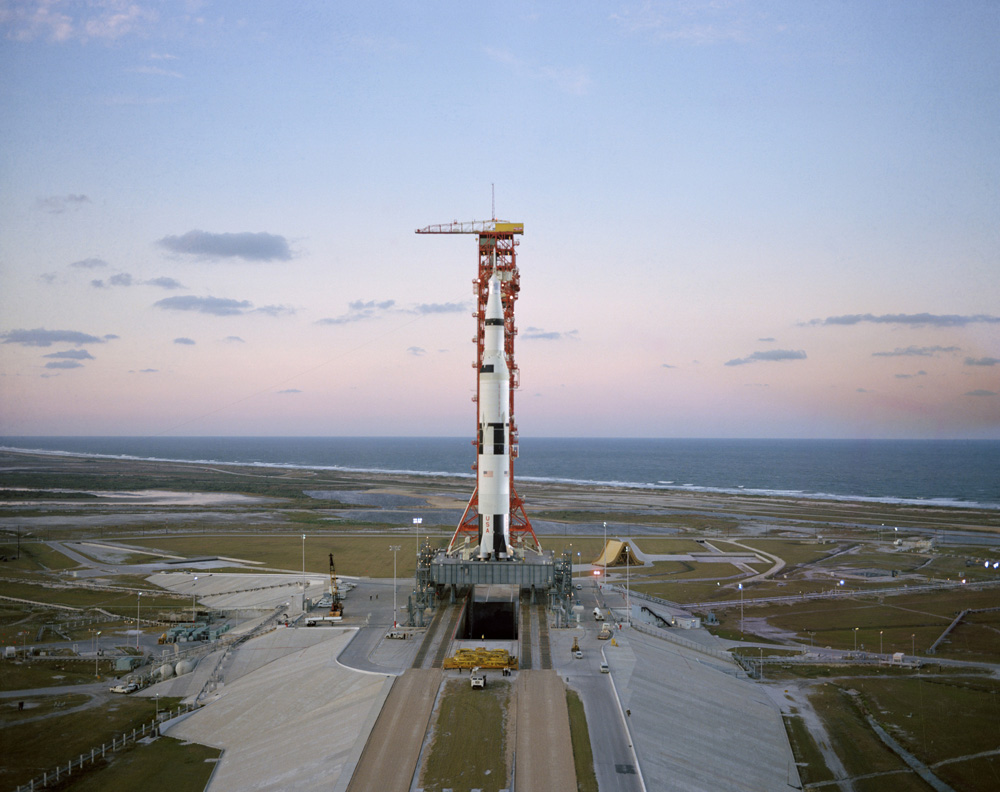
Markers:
578,654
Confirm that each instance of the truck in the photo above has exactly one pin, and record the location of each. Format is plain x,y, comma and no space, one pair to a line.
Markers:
598,614
130,687
604,634
477,678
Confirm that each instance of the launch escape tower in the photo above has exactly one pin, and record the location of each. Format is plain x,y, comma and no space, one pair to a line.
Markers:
496,243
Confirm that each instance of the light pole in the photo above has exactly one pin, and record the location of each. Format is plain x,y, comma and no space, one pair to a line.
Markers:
303,572
194,596
913,643
605,556
741,609
97,653
855,639
138,599
416,522
628,601
394,549
880,642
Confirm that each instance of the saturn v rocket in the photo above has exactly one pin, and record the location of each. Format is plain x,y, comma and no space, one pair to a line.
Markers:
494,434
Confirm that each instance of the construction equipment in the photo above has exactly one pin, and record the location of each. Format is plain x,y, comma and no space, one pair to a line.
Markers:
336,601
576,645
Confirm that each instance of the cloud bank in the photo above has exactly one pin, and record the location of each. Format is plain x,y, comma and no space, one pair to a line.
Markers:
40,337
770,355
219,306
245,245
57,204
538,334
360,311
914,320
915,351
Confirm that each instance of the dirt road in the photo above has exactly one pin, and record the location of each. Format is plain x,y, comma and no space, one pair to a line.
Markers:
390,756
544,749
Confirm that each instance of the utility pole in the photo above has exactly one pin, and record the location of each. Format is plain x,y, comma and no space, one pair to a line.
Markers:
741,609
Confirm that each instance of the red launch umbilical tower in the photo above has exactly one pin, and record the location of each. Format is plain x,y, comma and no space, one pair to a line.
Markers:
497,245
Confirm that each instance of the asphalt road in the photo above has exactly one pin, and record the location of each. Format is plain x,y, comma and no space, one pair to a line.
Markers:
614,759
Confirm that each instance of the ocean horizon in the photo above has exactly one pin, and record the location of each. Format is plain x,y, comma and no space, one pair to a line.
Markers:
958,473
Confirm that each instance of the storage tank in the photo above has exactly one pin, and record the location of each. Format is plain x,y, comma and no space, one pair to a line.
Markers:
185,667
165,671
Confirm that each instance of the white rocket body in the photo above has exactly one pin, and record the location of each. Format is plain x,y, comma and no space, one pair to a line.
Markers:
494,435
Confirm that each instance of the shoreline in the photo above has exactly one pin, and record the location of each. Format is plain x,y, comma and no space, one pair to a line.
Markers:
570,505
668,488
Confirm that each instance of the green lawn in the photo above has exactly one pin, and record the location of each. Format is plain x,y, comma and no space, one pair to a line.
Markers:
188,767
30,749
469,748
583,757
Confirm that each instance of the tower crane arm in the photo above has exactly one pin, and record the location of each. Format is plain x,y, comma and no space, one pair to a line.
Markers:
474,227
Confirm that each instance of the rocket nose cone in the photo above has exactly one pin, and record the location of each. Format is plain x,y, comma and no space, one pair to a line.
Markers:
494,306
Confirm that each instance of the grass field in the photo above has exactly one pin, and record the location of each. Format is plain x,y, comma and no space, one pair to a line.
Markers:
906,622
946,719
36,747
583,757
469,748
936,719
122,602
812,766
857,746
365,556
146,767
17,675
34,557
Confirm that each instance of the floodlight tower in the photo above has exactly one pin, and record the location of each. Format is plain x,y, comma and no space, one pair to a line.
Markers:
496,245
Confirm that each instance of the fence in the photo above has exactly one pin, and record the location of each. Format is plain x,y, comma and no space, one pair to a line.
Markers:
64,771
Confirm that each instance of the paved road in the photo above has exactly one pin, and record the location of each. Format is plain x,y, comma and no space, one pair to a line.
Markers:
614,759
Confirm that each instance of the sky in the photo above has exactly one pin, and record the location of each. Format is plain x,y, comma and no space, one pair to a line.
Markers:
742,219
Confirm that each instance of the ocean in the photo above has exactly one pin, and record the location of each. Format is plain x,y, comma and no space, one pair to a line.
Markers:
962,473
